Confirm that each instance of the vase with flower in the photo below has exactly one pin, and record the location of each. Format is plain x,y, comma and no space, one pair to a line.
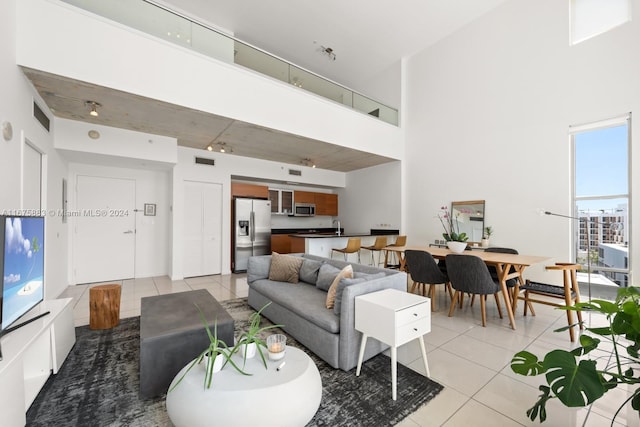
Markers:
488,231
456,241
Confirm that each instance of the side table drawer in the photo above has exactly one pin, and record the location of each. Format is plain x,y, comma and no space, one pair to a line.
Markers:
410,314
413,330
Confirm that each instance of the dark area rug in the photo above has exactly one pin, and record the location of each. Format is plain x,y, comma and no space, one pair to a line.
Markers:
98,385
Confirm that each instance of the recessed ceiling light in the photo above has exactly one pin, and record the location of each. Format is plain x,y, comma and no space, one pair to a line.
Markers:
93,134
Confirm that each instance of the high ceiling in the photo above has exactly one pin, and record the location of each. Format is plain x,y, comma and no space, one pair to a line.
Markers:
366,38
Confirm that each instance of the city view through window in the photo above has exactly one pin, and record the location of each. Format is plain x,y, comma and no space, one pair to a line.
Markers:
601,200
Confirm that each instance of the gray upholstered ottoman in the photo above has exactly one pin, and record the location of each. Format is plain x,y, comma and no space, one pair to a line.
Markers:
172,334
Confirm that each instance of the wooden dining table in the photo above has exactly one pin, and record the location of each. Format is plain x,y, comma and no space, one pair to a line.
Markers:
508,266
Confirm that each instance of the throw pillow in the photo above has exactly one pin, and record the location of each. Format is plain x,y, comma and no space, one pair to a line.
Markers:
309,270
344,282
346,272
285,268
326,275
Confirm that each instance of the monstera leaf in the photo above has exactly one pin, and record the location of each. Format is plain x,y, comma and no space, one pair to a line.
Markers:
574,384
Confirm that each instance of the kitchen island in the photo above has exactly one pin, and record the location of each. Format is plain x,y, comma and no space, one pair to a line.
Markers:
321,244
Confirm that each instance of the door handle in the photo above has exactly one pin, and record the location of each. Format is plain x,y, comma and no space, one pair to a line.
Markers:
128,232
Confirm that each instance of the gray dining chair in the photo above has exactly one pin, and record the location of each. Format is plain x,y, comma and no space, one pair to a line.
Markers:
469,274
424,271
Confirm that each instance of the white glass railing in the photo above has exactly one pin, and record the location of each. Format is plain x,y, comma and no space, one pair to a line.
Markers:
160,22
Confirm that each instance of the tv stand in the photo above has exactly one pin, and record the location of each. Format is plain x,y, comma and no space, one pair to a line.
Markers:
25,323
31,352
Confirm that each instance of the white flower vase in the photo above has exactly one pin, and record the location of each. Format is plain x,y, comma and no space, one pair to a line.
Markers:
484,243
249,348
457,247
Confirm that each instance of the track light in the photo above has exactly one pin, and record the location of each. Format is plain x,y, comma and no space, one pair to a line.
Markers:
93,108
308,162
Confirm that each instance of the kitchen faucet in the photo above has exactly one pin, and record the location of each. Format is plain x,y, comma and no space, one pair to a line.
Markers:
338,228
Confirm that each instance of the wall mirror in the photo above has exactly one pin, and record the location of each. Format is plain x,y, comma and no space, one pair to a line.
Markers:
470,216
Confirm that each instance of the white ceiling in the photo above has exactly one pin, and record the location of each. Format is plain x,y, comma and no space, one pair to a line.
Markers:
367,37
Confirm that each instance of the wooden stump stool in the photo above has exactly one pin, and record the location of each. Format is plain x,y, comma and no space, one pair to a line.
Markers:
104,306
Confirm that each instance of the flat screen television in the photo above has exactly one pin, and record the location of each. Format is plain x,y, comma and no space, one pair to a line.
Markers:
22,266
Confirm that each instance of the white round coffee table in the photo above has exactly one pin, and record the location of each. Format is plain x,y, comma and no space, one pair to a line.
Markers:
288,397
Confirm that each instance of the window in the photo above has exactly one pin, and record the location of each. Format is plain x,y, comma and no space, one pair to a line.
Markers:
601,200
590,18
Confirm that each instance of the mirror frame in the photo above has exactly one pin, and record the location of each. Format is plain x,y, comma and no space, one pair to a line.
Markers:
472,202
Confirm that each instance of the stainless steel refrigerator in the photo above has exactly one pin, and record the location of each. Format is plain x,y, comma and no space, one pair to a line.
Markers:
252,234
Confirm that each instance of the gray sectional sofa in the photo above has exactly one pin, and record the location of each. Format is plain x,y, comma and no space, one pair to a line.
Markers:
300,307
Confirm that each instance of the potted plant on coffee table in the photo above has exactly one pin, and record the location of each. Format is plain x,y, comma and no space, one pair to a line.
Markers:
583,375
216,355
249,342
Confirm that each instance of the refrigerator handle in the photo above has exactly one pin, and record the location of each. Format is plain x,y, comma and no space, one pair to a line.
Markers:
252,224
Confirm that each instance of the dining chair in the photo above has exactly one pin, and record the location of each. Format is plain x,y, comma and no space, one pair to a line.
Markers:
400,241
424,271
469,274
353,246
494,273
569,292
378,246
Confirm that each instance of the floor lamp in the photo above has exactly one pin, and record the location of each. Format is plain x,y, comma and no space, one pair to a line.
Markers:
588,243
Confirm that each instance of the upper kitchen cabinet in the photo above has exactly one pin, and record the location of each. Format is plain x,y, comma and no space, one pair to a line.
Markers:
281,201
249,190
326,203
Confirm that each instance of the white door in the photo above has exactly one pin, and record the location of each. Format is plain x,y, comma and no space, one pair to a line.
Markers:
31,178
104,244
202,253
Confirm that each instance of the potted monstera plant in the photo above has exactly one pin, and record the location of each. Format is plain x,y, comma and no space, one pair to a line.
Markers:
583,375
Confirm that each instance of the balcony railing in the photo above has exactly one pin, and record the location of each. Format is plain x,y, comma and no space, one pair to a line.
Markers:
168,25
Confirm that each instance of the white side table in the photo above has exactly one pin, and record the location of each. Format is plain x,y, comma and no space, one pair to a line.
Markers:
394,318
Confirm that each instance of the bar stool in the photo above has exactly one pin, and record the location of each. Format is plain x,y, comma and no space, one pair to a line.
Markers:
353,246
569,292
378,246
400,241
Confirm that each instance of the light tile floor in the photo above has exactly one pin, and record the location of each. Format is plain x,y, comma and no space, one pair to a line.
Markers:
470,361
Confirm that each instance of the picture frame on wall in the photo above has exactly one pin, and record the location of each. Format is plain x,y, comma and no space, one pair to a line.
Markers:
150,209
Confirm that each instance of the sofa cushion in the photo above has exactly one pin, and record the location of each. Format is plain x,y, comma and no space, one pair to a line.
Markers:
285,268
258,268
368,276
309,270
303,299
346,272
326,275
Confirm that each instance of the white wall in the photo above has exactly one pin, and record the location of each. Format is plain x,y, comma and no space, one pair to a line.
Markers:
127,60
16,106
488,112
371,199
152,252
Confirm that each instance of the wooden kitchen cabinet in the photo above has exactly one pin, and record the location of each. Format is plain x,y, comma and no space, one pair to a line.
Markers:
304,197
281,243
249,190
326,204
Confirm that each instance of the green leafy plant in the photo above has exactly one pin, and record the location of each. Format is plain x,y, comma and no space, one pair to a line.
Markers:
581,376
252,335
488,231
216,348
451,226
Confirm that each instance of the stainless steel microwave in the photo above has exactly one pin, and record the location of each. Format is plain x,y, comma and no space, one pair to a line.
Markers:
304,209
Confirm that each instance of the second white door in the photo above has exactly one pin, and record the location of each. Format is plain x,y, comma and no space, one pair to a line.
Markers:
202,227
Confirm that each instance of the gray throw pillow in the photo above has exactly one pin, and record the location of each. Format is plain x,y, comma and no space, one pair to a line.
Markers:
326,275
309,271
344,282
258,268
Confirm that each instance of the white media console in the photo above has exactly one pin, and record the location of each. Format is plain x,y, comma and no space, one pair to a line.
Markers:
30,354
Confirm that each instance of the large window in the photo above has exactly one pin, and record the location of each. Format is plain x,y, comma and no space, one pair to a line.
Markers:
592,17
601,200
